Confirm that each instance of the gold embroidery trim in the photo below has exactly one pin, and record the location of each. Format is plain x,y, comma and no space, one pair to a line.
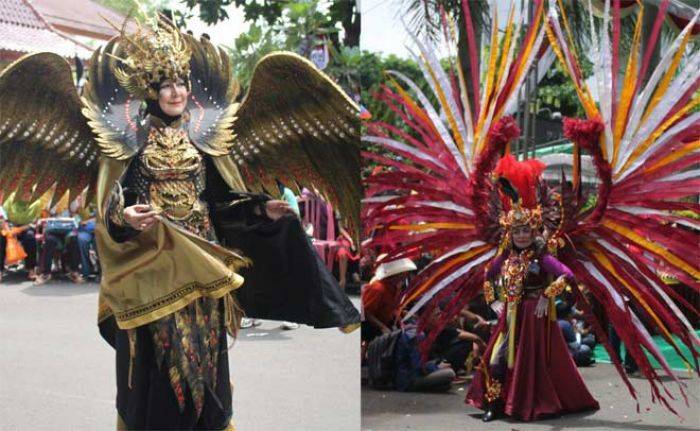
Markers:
556,288
489,293
116,213
493,391
147,313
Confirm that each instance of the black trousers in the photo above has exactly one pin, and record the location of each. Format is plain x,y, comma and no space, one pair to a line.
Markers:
149,403
3,250
57,241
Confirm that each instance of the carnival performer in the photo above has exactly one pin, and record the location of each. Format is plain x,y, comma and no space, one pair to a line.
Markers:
527,345
440,189
173,151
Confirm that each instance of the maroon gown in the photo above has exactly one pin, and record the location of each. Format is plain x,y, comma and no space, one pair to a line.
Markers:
543,379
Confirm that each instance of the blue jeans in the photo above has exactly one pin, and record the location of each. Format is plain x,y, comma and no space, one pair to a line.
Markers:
79,245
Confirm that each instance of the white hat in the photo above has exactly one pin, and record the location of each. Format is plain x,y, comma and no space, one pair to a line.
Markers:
387,269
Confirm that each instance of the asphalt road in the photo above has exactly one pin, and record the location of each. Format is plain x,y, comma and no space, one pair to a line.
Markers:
396,411
56,373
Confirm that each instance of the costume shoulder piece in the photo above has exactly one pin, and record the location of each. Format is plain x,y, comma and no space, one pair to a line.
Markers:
128,70
112,112
44,139
297,125
213,90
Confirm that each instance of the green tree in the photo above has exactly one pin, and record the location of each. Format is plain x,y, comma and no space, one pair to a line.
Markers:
136,8
341,12
426,17
301,26
556,92
372,69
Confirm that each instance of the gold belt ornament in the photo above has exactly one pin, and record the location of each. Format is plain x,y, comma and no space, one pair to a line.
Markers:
176,199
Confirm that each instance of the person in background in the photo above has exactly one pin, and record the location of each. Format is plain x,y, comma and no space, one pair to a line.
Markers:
19,218
287,195
345,255
631,367
582,353
56,232
79,243
454,343
3,241
412,374
381,296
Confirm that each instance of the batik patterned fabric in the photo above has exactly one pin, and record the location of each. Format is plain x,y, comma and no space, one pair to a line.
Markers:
169,175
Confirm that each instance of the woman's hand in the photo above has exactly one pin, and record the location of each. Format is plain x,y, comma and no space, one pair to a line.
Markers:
277,208
498,307
140,217
542,307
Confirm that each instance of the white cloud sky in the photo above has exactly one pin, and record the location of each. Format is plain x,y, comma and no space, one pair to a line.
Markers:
383,31
222,33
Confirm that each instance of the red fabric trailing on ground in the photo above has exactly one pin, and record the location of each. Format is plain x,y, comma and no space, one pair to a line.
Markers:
536,387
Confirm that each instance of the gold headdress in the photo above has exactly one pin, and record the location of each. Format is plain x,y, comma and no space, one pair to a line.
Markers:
519,180
153,53
519,215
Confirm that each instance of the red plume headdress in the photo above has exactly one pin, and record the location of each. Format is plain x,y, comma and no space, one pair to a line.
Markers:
519,181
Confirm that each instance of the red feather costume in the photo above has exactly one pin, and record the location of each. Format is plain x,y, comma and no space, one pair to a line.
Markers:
436,194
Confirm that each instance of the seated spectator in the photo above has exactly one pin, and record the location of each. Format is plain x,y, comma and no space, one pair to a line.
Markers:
411,374
583,328
347,257
79,243
55,233
381,296
18,240
582,353
454,344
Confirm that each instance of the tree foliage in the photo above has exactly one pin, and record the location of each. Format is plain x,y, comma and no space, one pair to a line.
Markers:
300,27
344,13
556,92
137,8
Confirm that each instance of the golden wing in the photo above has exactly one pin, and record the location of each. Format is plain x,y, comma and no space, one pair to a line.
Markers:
297,125
44,138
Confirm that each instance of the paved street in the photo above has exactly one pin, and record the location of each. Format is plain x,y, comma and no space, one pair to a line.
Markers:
395,411
56,373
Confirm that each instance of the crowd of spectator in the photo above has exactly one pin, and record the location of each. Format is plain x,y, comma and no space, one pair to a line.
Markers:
44,244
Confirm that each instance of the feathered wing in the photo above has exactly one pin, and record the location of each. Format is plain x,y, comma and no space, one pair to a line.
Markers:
296,125
434,193
644,142
44,138
112,112
212,104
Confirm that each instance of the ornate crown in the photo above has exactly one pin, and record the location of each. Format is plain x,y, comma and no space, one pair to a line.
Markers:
153,53
518,216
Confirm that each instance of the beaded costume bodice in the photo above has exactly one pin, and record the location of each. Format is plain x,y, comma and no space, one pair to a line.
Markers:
169,174
173,178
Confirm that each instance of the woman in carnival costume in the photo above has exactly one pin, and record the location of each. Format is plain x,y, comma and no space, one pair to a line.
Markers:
185,243
526,346
440,190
